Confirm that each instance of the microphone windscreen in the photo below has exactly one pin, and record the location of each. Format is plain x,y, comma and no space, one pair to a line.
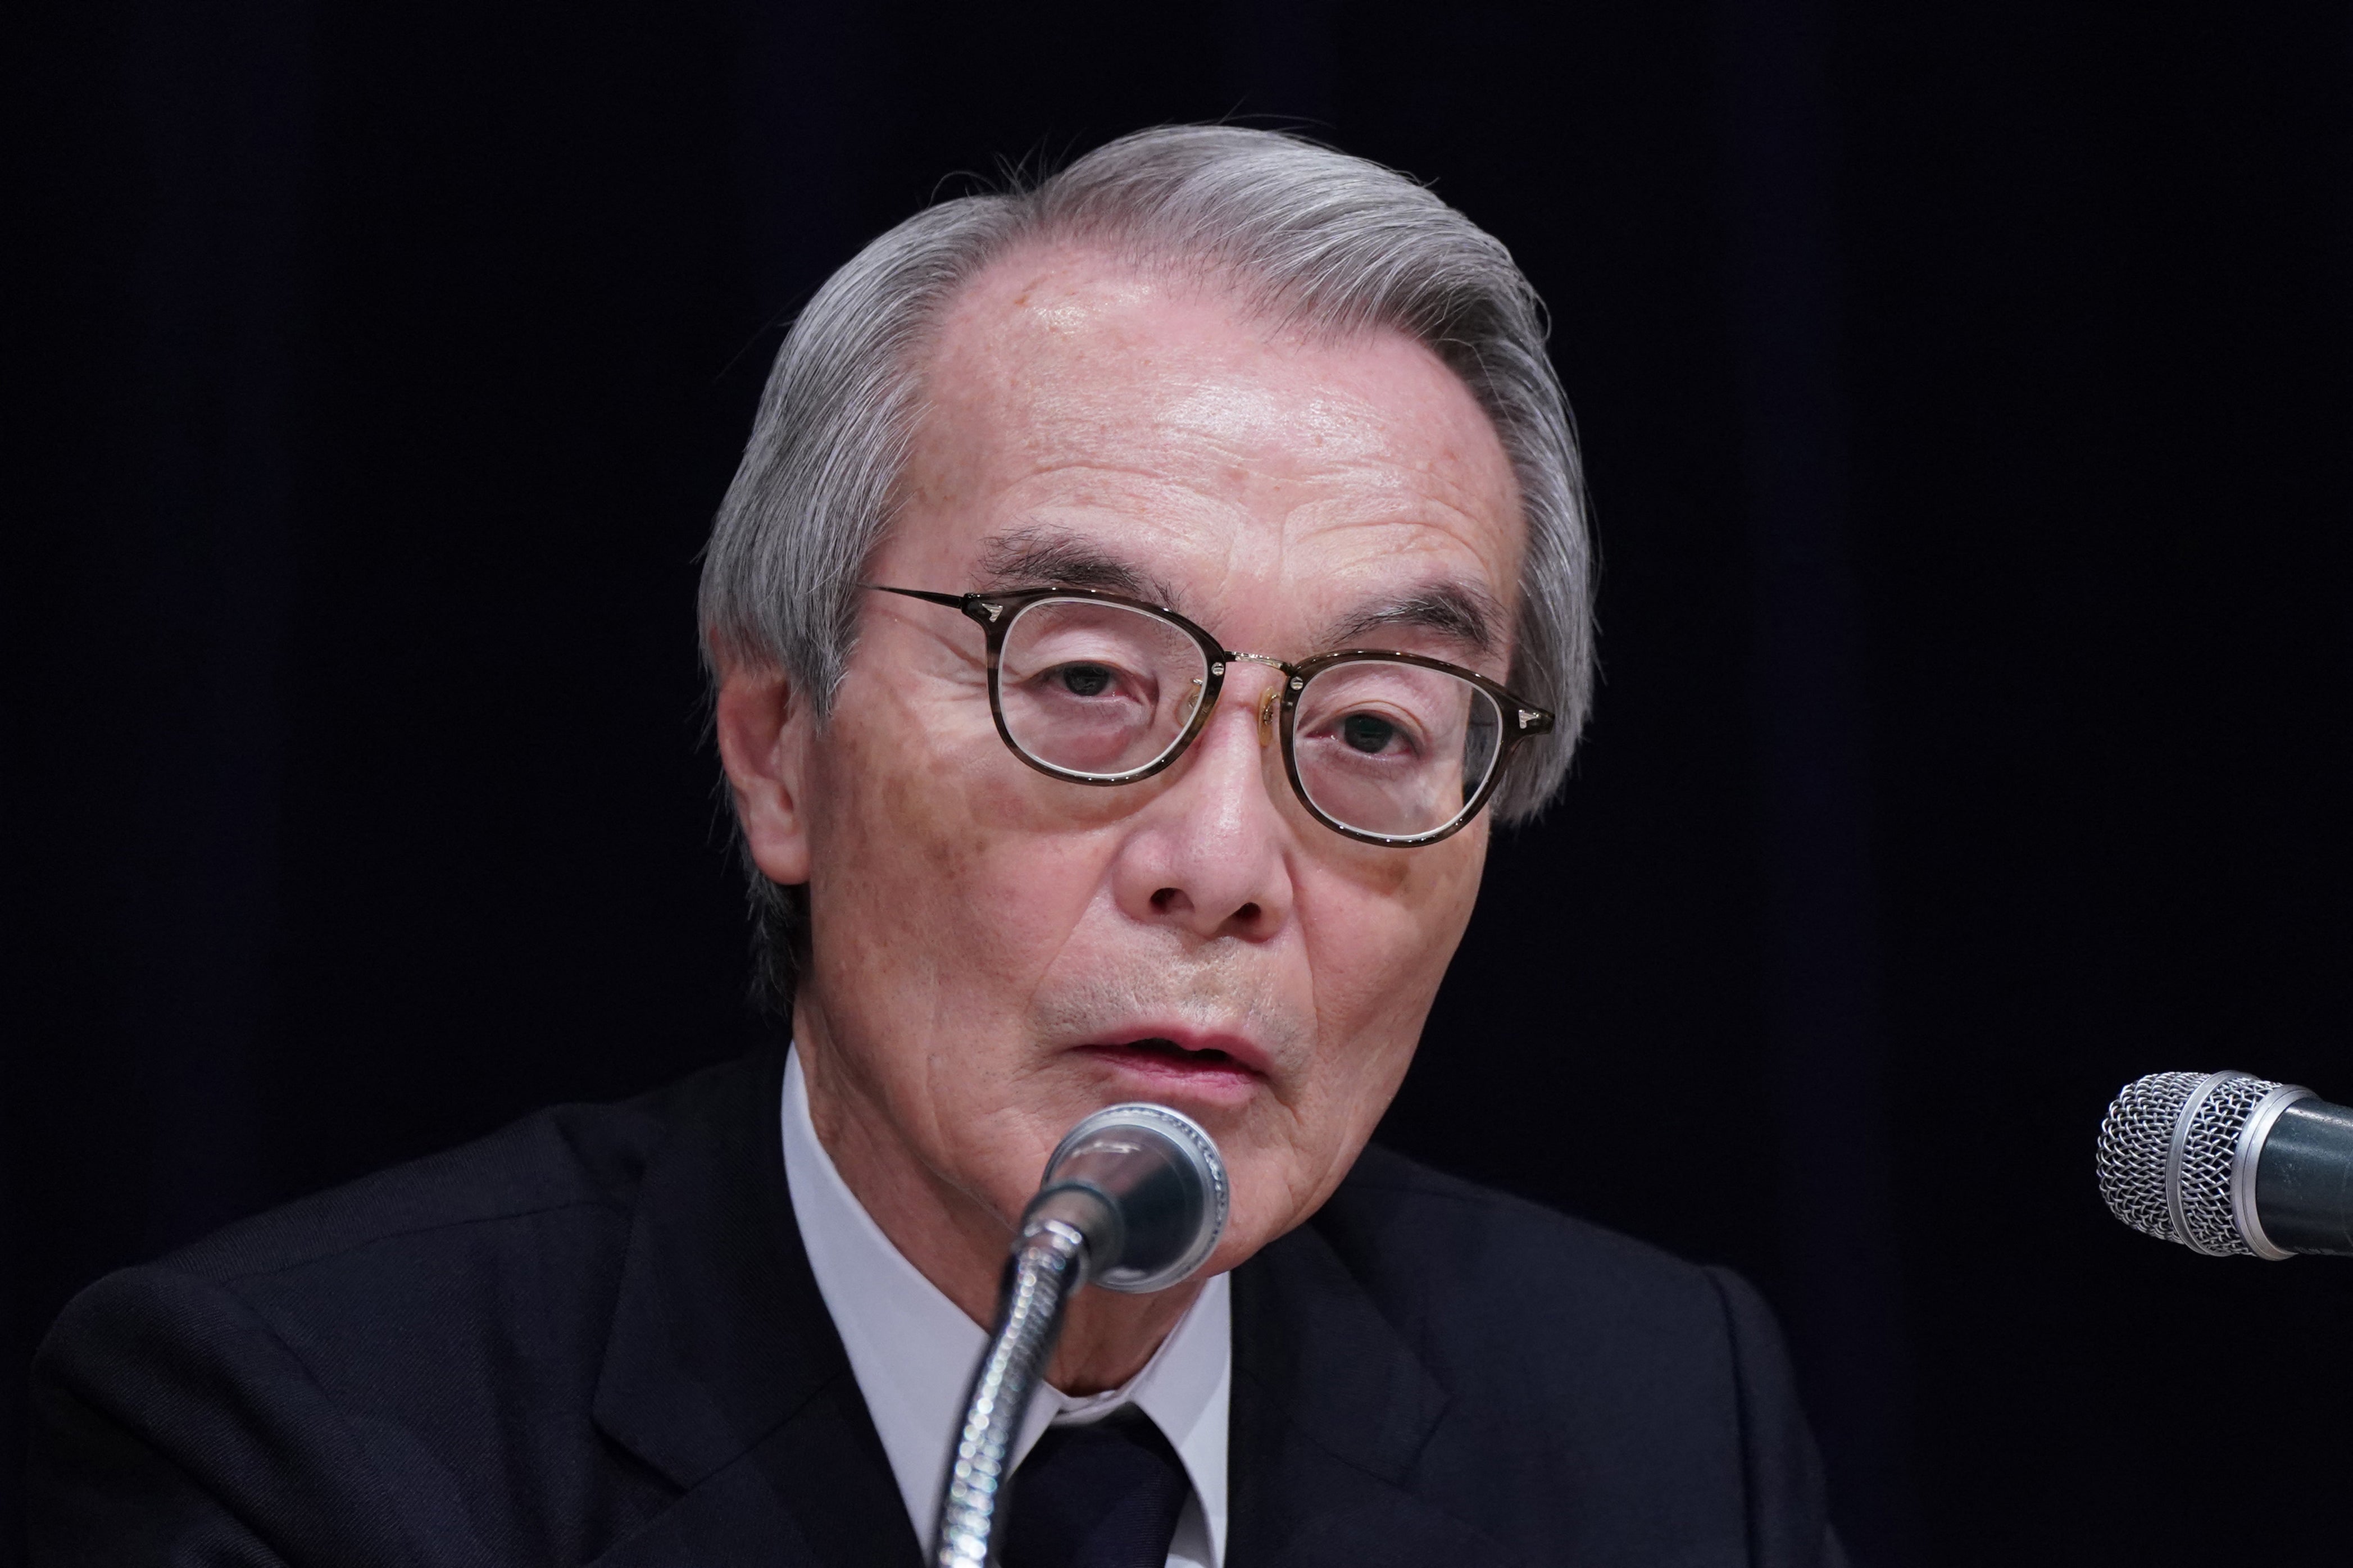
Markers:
1159,1184
2173,1159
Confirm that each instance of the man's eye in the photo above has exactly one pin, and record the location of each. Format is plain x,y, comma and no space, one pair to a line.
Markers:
1084,680
1366,733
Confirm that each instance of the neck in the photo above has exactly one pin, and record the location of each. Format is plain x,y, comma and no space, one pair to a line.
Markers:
959,1243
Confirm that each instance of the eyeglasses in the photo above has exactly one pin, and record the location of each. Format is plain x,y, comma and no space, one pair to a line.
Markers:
1388,748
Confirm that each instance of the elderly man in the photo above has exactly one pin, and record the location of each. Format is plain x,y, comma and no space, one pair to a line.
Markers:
1135,593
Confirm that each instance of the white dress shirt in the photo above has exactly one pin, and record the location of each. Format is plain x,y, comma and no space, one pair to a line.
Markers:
913,1350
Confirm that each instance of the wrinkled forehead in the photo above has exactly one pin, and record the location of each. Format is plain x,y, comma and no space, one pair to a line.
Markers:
1088,423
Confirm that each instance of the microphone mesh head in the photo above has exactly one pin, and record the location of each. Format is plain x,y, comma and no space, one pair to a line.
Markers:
2136,1141
2136,1151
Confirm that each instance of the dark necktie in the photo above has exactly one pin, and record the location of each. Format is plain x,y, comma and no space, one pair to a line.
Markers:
1104,1495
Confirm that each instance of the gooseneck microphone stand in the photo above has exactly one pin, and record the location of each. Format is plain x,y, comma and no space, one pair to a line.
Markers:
1133,1200
1048,1265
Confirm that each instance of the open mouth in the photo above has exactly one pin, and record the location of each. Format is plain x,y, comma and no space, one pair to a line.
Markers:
1175,1065
1171,1051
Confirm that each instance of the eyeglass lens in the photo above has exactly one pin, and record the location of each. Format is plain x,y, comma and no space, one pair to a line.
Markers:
1098,689
1104,690
1393,749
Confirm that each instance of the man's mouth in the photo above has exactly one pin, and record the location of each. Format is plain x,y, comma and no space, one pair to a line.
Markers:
1217,1068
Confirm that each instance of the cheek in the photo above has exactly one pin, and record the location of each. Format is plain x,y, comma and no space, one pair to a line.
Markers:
937,870
1380,943
882,842
1379,955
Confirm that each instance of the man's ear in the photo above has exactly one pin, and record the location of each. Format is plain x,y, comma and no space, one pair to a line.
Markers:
764,737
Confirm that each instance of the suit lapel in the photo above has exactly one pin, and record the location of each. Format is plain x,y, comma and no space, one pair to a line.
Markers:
1331,1412
723,1371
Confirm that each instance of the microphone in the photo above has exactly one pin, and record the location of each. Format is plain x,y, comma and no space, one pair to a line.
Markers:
2230,1165
1134,1199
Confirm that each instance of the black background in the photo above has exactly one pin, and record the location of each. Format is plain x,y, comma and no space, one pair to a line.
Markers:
1967,399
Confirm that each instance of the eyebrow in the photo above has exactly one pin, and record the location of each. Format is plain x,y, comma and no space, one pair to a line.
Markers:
1463,612
1040,557
1050,558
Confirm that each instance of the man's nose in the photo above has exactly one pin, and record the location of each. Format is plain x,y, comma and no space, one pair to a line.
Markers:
1210,853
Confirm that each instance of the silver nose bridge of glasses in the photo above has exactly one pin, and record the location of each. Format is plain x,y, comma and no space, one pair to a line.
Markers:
1266,704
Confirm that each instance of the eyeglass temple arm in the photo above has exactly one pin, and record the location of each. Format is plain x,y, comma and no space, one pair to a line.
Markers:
984,608
953,601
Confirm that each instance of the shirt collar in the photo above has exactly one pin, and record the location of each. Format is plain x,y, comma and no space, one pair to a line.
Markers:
913,1350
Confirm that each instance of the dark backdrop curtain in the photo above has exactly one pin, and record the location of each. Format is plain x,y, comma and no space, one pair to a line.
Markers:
1966,394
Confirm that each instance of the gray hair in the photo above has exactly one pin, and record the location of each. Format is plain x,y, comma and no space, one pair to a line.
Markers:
1310,237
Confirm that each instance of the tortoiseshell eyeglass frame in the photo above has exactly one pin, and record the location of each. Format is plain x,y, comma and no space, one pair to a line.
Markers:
995,613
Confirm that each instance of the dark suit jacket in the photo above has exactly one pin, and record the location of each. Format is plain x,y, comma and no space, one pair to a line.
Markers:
594,1338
